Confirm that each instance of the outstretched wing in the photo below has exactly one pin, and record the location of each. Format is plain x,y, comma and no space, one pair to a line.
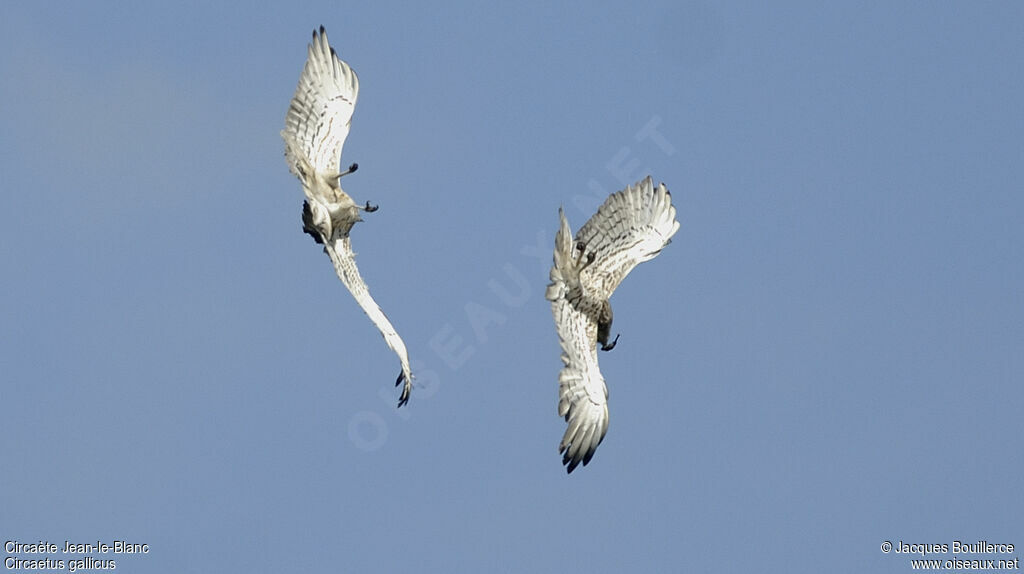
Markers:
632,226
340,252
582,394
321,110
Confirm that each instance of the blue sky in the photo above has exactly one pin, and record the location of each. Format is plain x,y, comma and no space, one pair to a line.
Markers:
828,356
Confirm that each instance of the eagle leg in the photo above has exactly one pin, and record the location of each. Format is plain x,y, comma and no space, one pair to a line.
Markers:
604,326
351,169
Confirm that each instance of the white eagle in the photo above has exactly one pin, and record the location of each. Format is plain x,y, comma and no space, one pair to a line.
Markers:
632,226
314,132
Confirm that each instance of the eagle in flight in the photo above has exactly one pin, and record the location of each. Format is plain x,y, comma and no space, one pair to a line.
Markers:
314,132
632,226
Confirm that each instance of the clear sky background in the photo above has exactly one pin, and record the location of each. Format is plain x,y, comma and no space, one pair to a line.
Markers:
829,355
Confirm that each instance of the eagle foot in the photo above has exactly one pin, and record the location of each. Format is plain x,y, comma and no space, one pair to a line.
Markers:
610,346
582,248
370,208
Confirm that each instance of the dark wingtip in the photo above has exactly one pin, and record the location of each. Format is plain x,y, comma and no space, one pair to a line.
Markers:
569,462
314,235
404,398
570,465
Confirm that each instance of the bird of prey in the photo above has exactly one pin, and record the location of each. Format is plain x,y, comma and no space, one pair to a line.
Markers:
632,226
314,132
